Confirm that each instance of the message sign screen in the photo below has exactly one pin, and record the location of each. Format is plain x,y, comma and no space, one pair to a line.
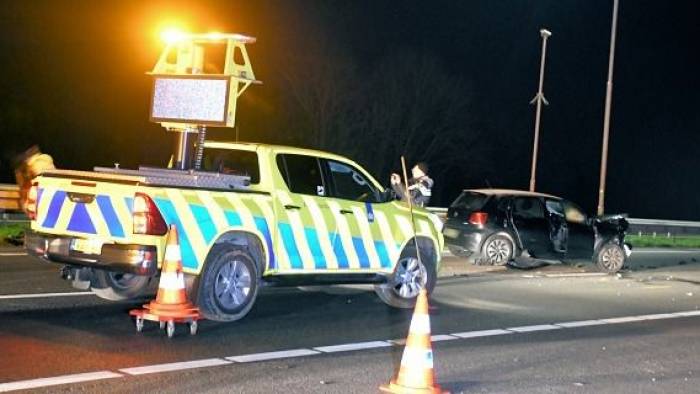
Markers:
202,101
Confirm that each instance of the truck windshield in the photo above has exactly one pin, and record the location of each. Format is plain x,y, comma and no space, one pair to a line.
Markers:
232,162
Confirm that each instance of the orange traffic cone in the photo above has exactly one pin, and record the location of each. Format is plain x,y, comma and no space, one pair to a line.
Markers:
416,370
171,305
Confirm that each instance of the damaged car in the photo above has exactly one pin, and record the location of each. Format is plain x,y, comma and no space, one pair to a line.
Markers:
498,227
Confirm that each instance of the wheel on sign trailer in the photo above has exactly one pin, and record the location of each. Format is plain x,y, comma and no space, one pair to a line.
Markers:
139,324
171,328
193,327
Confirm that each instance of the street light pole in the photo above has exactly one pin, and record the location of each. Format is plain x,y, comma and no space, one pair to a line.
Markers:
539,99
608,104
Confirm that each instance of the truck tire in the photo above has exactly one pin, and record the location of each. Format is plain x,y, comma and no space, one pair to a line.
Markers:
409,277
118,286
228,286
610,257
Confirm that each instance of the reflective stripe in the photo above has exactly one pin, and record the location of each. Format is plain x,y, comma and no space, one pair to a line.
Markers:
320,224
97,218
172,253
168,210
420,324
80,221
54,211
388,236
367,238
345,235
297,227
404,224
110,216
280,256
216,211
417,358
171,281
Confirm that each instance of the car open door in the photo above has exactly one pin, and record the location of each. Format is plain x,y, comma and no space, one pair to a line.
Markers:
533,227
581,233
558,228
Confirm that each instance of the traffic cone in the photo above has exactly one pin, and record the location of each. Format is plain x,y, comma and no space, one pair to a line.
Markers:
416,371
171,304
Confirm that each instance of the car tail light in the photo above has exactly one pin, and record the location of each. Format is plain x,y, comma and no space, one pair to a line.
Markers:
479,218
146,217
30,205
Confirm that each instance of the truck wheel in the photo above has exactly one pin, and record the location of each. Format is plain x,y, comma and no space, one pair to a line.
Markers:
610,258
118,286
229,284
409,277
497,250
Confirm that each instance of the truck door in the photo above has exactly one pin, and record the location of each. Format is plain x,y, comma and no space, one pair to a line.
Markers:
532,226
306,226
358,209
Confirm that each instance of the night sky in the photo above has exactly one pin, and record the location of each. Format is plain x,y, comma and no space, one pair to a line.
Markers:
73,80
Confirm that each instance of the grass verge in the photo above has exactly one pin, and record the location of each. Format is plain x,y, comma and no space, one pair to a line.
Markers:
661,241
12,234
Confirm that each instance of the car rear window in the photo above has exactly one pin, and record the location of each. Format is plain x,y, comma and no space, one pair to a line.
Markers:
471,201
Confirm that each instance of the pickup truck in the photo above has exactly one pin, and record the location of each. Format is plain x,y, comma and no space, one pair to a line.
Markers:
253,215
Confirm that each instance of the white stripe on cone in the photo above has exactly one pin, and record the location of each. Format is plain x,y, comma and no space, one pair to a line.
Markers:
417,358
172,253
172,281
420,324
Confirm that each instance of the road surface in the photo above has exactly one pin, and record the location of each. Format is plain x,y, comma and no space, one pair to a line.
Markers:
556,329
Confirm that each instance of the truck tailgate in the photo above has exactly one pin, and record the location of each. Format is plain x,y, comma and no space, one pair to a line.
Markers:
85,204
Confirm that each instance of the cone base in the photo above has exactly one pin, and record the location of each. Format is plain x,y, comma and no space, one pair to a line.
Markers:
394,388
151,316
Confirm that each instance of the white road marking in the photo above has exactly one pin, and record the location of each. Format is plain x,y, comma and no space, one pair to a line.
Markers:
213,362
541,327
249,358
209,362
352,346
56,380
44,295
481,333
577,275
628,319
581,323
12,254
688,313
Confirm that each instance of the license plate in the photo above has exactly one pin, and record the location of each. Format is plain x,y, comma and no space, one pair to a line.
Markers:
87,246
451,233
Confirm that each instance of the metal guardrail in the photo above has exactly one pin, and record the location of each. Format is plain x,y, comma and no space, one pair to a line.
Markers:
10,212
9,198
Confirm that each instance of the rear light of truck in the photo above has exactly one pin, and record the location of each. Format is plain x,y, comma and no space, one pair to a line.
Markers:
478,218
146,217
30,205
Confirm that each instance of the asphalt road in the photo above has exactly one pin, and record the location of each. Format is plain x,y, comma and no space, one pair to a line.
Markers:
556,329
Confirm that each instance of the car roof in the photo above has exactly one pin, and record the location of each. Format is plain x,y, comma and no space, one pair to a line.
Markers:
510,192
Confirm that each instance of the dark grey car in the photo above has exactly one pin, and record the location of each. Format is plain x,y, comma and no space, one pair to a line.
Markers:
496,227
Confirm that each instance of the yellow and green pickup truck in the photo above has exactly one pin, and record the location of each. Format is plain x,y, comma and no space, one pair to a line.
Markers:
254,215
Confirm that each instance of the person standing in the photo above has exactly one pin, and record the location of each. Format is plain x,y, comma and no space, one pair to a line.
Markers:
419,186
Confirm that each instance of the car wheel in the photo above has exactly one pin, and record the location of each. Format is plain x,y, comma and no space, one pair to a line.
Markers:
497,250
118,286
409,277
229,284
610,258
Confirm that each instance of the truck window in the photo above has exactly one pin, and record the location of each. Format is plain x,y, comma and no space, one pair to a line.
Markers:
232,162
302,174
350,184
